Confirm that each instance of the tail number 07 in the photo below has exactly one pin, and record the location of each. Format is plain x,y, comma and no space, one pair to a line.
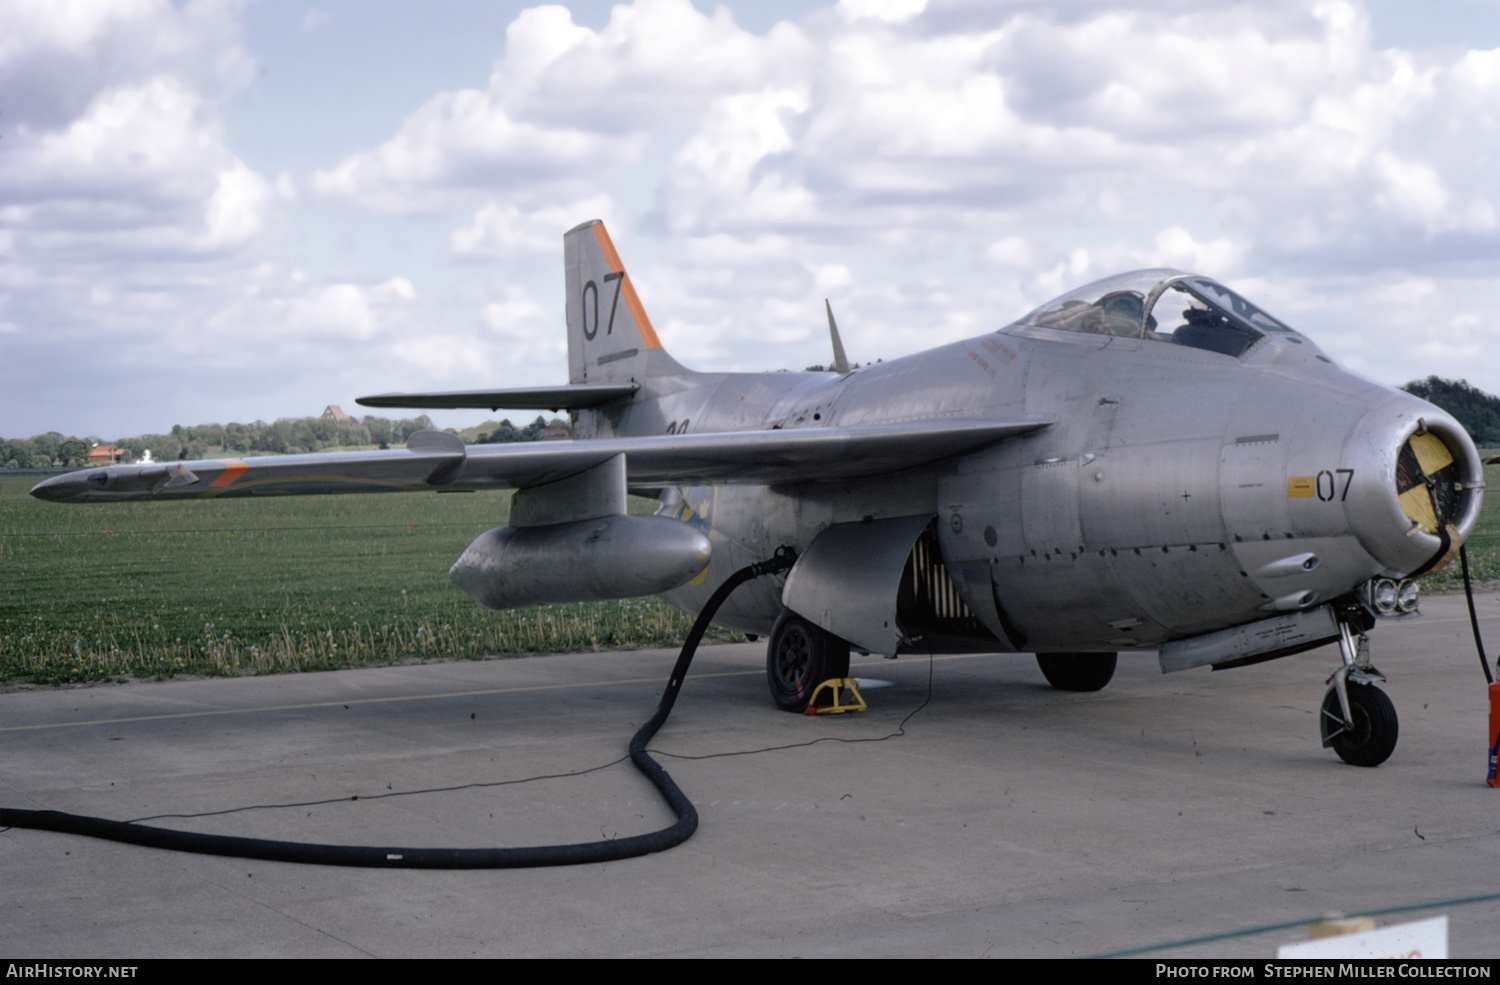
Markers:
591,296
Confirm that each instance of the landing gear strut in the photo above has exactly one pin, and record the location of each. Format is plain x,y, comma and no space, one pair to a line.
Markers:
1357,719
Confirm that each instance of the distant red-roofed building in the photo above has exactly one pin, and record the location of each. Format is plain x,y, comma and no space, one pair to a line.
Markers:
106,453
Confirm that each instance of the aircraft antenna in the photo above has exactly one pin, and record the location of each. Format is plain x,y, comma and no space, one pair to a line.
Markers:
840,361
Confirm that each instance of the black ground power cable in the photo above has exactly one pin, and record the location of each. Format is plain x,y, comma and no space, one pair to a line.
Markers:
445,858
1484,661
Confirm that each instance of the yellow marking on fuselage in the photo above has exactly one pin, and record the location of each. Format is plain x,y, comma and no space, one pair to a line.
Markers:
1300,487
713,515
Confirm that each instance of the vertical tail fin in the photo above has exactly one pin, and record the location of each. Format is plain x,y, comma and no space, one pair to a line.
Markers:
610,339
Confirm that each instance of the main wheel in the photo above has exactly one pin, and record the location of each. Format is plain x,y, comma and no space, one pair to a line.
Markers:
1373,738
799,657
1077,671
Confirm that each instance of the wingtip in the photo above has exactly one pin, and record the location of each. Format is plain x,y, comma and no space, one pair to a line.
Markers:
60,488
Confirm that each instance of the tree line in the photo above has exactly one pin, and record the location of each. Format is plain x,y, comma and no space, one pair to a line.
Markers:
285,436
1476,410
537,430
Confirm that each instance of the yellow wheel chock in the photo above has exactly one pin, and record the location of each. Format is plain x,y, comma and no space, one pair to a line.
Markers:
835,687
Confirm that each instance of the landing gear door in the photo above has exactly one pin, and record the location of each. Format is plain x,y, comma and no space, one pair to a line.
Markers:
848,578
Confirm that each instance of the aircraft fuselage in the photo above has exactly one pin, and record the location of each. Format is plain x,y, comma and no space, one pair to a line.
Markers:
1180,490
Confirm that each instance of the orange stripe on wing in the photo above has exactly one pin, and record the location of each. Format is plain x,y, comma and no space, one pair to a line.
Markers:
648,334
232,471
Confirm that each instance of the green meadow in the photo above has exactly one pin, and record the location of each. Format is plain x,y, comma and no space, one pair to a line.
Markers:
239,586
243,586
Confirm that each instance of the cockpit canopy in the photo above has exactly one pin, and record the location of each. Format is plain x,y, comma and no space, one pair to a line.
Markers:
1163,306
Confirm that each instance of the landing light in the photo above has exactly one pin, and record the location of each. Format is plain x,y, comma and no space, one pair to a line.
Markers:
1406,596
1383,595
1389,597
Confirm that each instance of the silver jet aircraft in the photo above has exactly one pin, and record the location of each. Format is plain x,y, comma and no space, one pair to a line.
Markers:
1149,462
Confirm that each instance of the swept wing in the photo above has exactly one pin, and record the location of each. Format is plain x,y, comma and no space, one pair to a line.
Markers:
436,459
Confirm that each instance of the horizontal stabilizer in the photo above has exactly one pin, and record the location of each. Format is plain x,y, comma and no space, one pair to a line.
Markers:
433,461
553,398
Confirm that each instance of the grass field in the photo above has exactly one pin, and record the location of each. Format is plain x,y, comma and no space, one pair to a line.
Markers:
144,589
97,592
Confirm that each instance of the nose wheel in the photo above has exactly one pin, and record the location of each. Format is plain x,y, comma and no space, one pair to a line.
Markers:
1369,738
1357,720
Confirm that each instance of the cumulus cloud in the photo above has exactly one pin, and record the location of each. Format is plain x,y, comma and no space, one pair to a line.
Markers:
279,310
124,204
937,167
1176,247
340,310
131,140
116,148
522,330
465,141
891,11
655,62
1012,253
831,276
564,102
238,210
504,230
56,56
145,164
716,180
1278,122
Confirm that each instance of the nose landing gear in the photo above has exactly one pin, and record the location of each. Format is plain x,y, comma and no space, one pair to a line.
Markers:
1357,720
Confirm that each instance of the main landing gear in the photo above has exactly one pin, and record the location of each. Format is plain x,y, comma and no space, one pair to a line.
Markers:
1077,671
799,657
1357,719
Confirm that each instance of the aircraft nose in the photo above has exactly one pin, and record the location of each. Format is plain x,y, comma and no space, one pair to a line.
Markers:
1417,490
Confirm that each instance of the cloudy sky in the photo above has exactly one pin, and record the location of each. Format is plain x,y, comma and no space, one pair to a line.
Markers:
220,210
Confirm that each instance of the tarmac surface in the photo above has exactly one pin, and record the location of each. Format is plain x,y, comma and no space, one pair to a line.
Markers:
1009,820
